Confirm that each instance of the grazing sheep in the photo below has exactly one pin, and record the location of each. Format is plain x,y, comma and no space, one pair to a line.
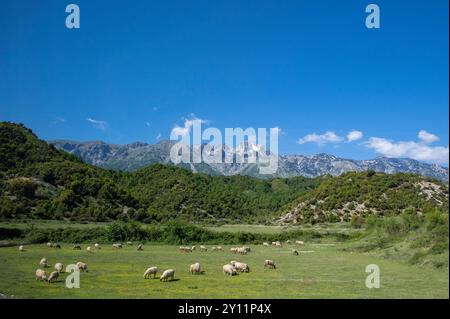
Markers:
43,262
57,245
167,275
59,267
242,267
21,248
219,248
195,268
294,252
89,249
77,247
185,249
203,248
247,249
234,250
49,245
299,242
288,242
242,251
277,244
266,244
129,243
40,274
193,248
97,246
270,264
150,271
140,247
82,266
229,270
53,276
117,246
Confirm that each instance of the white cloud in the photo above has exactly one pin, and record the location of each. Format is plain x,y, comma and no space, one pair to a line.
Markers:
427,137
158,136
279,130
418,151
147,124
188,123
59,120
354,136
327,137
101,125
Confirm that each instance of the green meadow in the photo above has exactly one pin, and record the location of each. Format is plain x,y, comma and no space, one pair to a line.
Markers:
321,270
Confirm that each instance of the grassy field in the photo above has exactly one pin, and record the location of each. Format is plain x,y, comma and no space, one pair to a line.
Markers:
320,271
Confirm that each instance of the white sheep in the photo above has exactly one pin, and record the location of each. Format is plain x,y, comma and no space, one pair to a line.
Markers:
269,263
203,248
195,268
242,251
229,270
59,267
117,245
167,275
266,244
21,248
89,249
150,271
77,247
140,247
97,246
49,245
40,274
43,262
300,242
129,243
53,276
82,266
294,252
242,267
185,249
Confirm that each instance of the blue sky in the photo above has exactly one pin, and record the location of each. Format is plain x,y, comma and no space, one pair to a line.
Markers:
136,69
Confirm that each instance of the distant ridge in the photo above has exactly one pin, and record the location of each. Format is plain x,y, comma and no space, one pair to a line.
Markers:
131,157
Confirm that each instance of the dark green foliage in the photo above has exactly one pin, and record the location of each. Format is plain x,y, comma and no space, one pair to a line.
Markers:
173,232
10,233
38,181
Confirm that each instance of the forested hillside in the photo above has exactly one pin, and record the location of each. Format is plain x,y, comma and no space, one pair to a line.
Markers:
357,195
39,181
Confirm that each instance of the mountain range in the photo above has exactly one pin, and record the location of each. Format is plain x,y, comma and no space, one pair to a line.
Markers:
131,157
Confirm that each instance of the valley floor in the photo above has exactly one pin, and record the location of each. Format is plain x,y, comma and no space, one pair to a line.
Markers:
320,271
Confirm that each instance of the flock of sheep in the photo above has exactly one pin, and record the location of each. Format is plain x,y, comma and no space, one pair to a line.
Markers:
230,269
42,274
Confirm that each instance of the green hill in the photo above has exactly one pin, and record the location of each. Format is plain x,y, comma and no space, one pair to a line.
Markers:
39,181
354,195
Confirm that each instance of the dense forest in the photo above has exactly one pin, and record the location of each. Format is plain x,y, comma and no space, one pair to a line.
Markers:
39,181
